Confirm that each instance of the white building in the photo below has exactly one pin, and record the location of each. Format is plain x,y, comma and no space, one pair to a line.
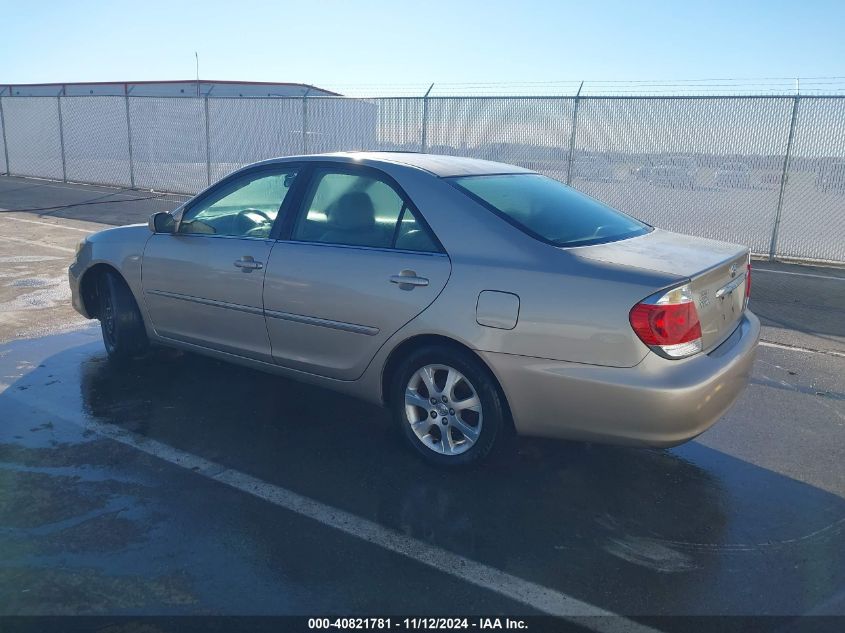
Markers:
176,88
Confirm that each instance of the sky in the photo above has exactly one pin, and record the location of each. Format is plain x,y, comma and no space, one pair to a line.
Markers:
396,43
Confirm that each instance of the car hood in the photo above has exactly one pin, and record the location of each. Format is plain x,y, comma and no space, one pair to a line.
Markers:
120,233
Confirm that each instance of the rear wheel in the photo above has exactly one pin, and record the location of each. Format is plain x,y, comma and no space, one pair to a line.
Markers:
448,406
120,319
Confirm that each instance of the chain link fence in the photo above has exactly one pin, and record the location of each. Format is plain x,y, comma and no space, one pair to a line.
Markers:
96,153
764,171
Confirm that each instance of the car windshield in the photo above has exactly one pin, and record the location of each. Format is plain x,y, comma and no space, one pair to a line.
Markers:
549,210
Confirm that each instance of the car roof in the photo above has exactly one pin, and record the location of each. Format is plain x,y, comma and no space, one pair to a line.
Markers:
440,165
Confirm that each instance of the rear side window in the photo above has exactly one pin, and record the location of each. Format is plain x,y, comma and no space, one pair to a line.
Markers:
549,210
411,236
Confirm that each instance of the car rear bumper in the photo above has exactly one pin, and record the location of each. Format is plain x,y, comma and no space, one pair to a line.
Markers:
659,402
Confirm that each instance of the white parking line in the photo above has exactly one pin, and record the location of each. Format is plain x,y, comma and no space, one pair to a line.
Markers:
55,225
539,597
805,350
33,243
755,270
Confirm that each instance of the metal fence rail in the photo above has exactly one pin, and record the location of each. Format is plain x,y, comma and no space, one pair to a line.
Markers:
764,171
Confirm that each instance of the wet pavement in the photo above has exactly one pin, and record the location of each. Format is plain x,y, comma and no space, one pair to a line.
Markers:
747,519
92,526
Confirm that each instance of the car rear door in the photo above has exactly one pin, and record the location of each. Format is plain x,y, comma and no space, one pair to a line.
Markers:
203,284
355,265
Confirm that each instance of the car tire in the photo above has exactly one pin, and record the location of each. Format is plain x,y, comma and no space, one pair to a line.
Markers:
472,431
120,319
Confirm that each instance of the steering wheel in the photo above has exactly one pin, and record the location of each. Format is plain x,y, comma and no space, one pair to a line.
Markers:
242,218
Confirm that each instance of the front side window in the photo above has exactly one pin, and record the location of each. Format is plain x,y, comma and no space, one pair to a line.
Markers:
549,210
359,210
244,207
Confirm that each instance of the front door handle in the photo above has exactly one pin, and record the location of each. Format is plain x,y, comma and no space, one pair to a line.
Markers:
408,280
247,264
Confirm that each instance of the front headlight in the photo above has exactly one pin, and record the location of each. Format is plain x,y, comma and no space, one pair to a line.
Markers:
82,243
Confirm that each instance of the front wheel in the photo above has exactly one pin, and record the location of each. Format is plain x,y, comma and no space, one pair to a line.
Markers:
120,319
448,406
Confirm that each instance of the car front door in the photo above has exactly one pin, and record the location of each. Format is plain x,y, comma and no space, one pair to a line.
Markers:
203,284
358,263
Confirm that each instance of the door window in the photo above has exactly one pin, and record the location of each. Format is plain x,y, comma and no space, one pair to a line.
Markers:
357,210
244,207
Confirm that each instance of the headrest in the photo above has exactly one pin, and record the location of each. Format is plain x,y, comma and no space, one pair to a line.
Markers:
353,210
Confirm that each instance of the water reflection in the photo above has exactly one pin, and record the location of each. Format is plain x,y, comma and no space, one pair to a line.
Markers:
631,529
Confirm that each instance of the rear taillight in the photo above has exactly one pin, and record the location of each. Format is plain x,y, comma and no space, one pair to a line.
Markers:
668,323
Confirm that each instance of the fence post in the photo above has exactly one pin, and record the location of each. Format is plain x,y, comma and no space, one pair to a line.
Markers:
305,120
5,142
129,138
207,147
572,134
786,160
424,140
62,139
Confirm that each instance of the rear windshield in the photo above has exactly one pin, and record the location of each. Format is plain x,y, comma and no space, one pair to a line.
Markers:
549,210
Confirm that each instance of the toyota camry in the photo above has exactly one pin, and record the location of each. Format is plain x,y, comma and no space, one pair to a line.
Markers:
472,298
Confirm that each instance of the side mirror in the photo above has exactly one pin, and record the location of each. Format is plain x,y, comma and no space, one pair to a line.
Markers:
162,222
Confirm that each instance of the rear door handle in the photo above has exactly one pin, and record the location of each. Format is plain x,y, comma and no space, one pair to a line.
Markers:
408,280
247,264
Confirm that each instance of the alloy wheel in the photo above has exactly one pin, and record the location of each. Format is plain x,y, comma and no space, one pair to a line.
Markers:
443,409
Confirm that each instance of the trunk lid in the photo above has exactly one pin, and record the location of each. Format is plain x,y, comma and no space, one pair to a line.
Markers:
716,271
